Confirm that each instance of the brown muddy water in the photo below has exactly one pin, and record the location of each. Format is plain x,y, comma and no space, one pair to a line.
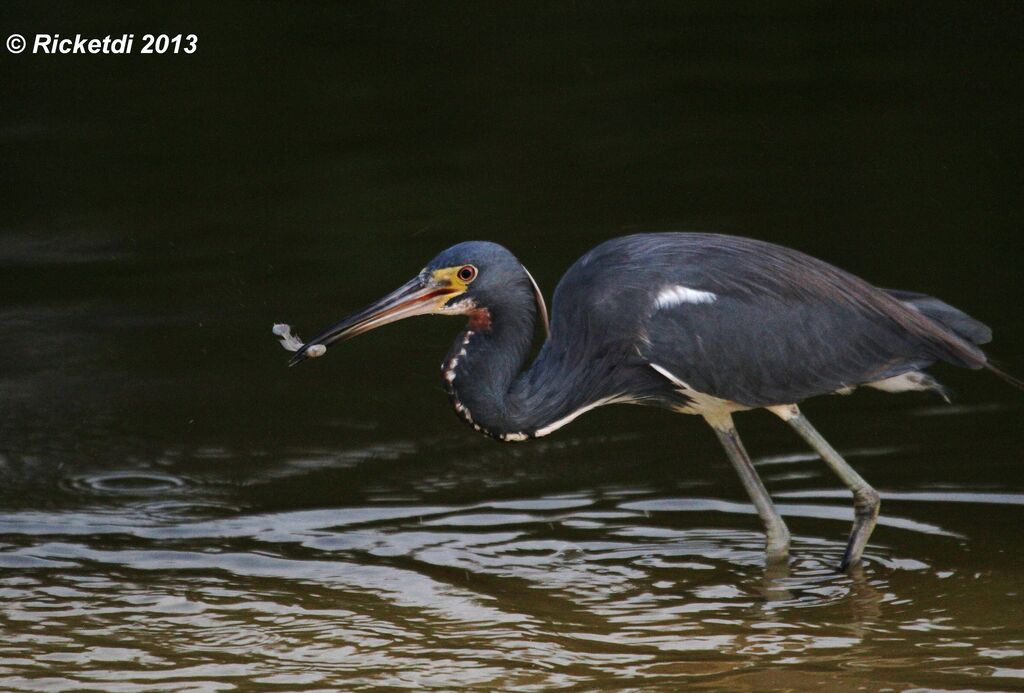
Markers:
180,512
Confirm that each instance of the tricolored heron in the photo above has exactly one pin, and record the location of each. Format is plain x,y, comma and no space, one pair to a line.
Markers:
697,323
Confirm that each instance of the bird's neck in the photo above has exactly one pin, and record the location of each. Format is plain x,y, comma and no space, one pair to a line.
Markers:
483,374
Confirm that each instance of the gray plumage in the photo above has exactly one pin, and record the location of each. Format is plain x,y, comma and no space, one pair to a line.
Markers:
946,315
698,323
783,327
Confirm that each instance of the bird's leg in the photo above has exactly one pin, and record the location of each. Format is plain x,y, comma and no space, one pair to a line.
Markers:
778,534
866,501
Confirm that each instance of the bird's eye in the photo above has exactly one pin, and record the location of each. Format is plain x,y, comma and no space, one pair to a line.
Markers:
467,273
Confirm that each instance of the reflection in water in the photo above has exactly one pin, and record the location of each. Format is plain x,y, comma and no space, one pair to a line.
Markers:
529,592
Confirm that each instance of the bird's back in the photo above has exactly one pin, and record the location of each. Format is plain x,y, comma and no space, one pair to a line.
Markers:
749,321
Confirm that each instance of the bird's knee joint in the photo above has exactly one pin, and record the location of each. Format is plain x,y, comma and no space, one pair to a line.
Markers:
866,502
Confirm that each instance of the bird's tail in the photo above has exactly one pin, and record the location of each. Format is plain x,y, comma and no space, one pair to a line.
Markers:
960,323
1003,375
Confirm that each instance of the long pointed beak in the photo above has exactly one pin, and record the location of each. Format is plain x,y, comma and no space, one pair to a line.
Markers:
416,297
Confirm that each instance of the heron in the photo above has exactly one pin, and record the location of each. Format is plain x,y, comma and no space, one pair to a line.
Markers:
697,323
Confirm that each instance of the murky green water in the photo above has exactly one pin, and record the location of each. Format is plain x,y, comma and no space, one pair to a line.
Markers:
179,511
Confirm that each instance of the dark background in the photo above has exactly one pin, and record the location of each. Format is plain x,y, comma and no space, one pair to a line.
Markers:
160,212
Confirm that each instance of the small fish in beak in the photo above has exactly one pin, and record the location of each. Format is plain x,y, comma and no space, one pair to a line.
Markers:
424,294
292,342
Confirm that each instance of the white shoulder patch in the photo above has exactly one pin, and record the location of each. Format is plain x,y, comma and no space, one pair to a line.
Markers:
676,294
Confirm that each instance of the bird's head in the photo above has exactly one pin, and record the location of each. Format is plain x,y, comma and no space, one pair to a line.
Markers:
466,279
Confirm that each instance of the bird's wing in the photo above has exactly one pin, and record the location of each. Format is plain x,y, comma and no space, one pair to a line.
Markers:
763,350
760,324
742,319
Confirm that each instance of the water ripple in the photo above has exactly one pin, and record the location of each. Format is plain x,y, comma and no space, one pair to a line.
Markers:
126,483
618,582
